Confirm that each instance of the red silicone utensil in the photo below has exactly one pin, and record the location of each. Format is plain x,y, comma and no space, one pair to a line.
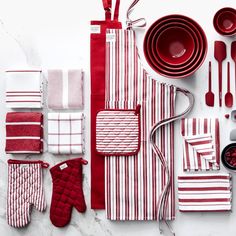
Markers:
233,55
228,95
209,96
220,55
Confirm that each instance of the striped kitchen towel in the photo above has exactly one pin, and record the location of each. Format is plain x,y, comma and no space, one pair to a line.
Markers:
201,144
24,132
208,192
66,133
24,89
65,89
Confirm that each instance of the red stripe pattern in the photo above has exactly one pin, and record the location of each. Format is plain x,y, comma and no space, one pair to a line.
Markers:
24,89
201,144
209,192
25,189
66,133
118,132
24,132
135,183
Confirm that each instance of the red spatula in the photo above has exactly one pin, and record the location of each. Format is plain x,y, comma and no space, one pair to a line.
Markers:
209,96
233,55
228,95
220,55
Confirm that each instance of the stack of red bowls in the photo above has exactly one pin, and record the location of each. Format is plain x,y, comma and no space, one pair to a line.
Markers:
175,46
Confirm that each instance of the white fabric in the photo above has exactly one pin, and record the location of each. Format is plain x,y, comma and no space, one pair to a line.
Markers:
23,89
65,89
65,133
205,192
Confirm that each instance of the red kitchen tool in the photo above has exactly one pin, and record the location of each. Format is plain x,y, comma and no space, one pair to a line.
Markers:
159,41
209,96
233,55
220,55
228,95
225,21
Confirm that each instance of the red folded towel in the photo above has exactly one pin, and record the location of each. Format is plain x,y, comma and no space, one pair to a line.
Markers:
24,132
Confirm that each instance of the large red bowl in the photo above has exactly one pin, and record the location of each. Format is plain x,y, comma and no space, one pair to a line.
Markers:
167,69
154,53
225,21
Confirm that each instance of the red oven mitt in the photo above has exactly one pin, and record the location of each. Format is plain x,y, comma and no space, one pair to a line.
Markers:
67,191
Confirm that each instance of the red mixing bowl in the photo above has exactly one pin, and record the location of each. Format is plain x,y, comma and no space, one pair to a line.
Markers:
166,65
166,68
225,21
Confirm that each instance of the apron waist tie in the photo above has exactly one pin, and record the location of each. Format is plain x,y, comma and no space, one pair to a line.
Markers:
161,209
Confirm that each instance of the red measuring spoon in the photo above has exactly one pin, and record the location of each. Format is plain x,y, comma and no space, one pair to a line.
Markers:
228,95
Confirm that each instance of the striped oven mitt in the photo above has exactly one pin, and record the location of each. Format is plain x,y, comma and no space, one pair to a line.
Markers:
25,189
118,132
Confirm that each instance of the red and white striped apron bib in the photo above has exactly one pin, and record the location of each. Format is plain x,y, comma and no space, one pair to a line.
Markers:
134,184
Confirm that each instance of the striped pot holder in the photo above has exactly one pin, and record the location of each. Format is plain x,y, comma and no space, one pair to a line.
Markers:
118,132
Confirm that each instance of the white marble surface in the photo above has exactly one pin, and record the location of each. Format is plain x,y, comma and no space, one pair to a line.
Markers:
55,34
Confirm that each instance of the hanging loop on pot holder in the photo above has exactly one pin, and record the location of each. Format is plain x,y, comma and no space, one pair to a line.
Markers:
161,210
140,23
107,5
118,132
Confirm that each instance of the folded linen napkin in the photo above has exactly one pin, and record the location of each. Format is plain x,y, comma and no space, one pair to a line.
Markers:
24,89
201,144
65,89
208,192
24,132
65,133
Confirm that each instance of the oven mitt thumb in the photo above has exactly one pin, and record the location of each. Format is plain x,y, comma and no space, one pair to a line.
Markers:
67,191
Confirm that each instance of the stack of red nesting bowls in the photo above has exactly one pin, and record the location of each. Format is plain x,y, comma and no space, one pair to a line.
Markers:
175,46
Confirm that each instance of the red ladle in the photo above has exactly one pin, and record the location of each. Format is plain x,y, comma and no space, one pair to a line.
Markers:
228,95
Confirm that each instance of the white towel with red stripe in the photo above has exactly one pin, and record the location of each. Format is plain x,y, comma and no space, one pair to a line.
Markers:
66,133
24,89
201,144
208,192
24,132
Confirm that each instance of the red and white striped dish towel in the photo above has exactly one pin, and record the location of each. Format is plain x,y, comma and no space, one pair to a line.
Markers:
24,132
24,89
208,192
200,144
66,133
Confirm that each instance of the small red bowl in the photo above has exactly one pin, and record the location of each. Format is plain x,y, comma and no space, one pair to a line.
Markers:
225,21
175,45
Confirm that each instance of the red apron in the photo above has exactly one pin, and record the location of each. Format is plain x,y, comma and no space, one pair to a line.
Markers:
98,48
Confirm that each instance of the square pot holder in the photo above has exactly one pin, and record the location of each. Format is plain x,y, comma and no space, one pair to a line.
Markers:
201,144
118,132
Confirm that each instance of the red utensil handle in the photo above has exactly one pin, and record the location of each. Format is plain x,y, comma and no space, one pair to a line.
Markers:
209,76
228,77
220,83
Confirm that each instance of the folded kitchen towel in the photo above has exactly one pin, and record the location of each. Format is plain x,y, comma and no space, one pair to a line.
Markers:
66,133
65,89
201,144
23,89
24,132
208,192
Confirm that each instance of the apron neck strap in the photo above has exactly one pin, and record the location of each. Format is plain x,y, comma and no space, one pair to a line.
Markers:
107,5
141,22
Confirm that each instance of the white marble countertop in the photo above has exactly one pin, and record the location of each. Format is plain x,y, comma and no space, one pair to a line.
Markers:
55,34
